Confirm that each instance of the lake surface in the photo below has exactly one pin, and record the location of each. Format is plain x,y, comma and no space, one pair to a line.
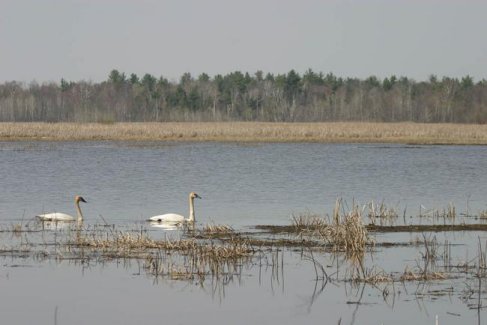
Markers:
241,185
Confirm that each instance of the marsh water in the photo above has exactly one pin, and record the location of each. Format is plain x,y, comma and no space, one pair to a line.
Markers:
242,185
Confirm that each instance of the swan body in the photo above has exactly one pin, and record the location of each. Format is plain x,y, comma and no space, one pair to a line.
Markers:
56,216
169,217
63,217
173,218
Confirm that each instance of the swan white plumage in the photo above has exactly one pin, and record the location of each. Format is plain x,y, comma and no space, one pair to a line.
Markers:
172,218
58,216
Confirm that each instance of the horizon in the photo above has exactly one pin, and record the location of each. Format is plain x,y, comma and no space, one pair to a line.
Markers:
251,73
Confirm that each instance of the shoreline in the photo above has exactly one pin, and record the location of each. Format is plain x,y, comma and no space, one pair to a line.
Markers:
247,132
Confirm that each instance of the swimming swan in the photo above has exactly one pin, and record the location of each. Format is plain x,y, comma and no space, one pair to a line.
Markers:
57,216
177,218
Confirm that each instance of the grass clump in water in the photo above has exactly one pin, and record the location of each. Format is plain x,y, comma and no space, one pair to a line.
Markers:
345,232
380,211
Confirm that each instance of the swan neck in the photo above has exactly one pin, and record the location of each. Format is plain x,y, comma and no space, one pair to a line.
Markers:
78,210
191,209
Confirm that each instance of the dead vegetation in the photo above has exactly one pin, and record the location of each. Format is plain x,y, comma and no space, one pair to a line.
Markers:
380,213
217,229
219,251
371,228
448,213
344,232
334,132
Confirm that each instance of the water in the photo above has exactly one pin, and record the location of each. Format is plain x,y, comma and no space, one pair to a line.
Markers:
120,293
241,185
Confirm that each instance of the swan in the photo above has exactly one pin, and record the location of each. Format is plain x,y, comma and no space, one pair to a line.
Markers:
173,218
57,216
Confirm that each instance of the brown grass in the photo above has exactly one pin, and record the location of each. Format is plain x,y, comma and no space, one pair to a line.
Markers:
346,232
336,132
307,221
217,229
422,276
380,211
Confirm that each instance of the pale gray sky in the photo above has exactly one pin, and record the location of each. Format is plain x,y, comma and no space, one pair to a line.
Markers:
45,40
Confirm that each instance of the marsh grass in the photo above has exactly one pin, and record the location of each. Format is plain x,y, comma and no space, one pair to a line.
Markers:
336,132
201,260
17,229
344,232
410,275
308,221
196,256
214,231
380,211
373,275
426,267
128,241
176,259
424,270
448,213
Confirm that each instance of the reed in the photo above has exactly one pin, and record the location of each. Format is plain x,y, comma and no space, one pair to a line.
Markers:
448,213
307,221
409,275
371,275
196,258
201,260
336,132
127,241
380,211
345,232
348,234
212,229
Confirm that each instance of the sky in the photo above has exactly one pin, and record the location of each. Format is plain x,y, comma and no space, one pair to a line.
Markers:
46,40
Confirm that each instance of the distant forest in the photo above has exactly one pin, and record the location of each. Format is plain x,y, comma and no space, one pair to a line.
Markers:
237,96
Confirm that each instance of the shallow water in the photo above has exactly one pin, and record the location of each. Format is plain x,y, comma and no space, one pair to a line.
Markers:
121,293
241,185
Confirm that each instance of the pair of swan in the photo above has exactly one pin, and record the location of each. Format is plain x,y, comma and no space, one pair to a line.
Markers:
169,218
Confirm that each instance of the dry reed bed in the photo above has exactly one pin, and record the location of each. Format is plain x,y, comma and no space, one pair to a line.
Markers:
219,250
141,243
183,259
345,232
195,259
365,132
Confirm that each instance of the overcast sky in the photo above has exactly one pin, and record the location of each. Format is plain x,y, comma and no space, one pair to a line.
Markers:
46,40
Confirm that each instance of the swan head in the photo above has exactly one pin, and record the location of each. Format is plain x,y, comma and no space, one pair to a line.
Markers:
193,196
79,199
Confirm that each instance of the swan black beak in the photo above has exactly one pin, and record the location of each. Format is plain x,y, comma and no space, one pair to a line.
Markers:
82,200
197,196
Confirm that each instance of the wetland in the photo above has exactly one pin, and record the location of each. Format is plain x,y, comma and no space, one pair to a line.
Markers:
285,233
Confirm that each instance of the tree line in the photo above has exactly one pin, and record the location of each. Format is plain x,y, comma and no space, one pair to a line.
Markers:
291,97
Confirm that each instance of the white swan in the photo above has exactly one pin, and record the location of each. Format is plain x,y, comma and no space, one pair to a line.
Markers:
57,216
172,218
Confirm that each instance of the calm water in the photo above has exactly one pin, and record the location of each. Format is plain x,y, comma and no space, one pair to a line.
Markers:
240,184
